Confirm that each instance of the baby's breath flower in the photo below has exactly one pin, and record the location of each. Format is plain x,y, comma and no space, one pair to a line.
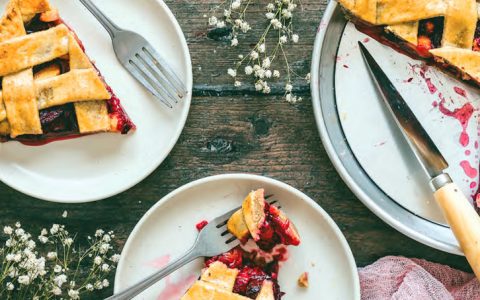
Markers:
19,232
56,291
237,83
105,283
268,74
236,4
42,239
60,280
52,255
240,56
10,286
254,55
276,23
276,74
24,279
245,27
220,24
18,225
89,287
234,42
259,85
283,39
232,72
55,228
270,7
212,21
286,13
227,13
266,88
7,230
266,63
261,48
68,242
44,232
57,269
270,15
65,214
105,268
248,70
288,87
295,38
99,232
308,77
97,260
74,294
98,285
115,258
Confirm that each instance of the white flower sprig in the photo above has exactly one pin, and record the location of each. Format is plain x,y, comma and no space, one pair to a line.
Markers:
258,62
49,266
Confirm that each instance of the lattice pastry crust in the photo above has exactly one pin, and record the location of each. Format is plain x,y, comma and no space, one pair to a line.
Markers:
402,17
25,92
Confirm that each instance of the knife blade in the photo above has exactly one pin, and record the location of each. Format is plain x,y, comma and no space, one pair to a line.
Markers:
459,213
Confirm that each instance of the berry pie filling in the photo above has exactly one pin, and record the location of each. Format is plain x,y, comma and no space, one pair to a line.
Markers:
60,122
265,232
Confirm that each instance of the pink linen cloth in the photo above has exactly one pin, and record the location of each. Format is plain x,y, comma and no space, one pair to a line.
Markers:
395,277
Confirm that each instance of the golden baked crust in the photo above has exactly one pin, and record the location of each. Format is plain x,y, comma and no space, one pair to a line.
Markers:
25,93
402,18
216,283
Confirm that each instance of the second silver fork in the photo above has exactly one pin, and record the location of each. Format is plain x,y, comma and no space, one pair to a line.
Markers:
138,56
212,240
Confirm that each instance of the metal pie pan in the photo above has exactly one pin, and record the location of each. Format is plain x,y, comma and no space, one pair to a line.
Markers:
328,122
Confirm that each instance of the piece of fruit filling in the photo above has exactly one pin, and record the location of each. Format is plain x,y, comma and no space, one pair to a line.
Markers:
276,229
252,272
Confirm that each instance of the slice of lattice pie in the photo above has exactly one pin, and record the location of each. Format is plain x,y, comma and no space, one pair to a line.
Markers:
50,89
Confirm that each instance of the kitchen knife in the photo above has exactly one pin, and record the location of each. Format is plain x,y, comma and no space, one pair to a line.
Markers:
459,213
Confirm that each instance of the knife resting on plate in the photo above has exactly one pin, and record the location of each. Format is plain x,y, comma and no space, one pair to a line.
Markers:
459,213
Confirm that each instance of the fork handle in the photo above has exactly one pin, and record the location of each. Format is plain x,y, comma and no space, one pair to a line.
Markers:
146,283
111,27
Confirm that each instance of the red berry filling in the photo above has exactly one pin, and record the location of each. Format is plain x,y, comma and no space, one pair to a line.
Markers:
252,272
275,230
200,225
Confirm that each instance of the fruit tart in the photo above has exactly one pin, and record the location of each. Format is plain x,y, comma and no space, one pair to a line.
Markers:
50,89
249,271
442,32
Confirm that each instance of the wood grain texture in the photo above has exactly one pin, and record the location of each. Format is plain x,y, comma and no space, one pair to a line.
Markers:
230,130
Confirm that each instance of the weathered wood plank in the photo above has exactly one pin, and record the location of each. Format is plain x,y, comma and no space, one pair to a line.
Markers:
231,130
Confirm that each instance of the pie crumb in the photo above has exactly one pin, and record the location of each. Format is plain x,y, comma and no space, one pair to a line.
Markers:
303,280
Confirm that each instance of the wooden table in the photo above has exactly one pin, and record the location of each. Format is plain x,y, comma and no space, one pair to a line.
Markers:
236,130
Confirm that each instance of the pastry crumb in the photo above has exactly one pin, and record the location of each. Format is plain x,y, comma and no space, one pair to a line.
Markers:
303,280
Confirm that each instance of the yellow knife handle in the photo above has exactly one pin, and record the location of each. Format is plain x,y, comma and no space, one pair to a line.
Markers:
463,220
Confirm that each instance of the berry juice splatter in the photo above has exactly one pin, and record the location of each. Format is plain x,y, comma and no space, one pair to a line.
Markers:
462,114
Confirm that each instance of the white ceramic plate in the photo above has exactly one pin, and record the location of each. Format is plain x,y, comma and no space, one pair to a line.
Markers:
376,140
168,229
99,166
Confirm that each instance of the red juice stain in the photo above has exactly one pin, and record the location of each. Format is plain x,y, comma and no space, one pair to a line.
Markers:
175,290
346,66
435,103
467,152
460,91
366,40
473,185
201,225
422,71
462,114
468,169
160,262
476,144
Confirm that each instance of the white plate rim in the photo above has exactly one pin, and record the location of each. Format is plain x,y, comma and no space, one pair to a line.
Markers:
243,176
169,147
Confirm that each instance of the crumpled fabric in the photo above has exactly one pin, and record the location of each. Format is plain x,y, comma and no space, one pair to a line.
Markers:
395,277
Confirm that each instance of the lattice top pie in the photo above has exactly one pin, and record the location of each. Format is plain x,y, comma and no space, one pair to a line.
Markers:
446,31
50,89
248,272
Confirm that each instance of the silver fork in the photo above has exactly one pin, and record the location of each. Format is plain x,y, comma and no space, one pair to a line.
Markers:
138,56
212,240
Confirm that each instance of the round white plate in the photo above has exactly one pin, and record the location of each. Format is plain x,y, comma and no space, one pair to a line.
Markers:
99,166
168,229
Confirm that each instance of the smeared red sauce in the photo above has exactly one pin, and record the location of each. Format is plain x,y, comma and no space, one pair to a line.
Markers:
467,152
200,225
473,185
468,169
462,114
460,91
159,262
